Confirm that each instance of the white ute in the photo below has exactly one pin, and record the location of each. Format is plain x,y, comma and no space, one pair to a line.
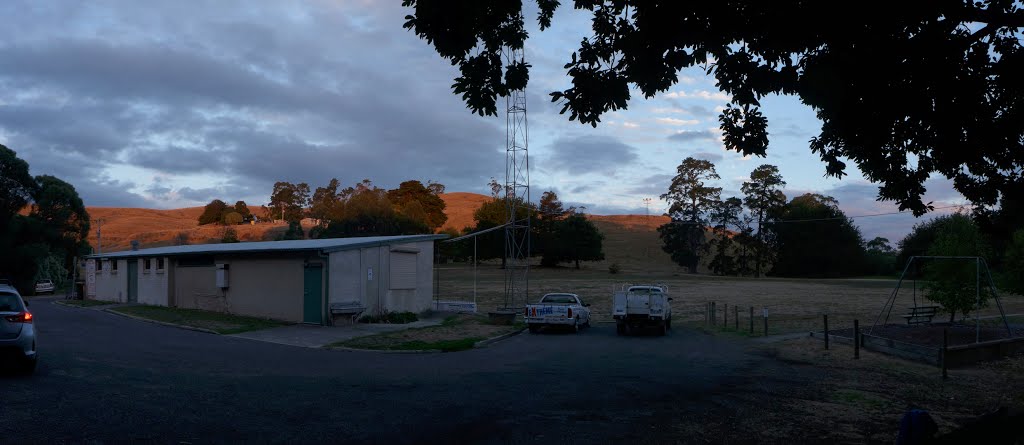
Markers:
640,306
558,309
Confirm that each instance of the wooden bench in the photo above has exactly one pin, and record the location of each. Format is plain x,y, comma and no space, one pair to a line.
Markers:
921,314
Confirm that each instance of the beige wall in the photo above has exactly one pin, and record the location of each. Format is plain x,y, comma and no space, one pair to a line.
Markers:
350,281
194,288
110,285
153,282
268,286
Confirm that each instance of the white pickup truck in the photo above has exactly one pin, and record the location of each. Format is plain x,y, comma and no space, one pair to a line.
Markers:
640,306
558,309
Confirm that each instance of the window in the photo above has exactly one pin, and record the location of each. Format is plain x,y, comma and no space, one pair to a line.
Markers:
113,266
99,265
403,270
159,264
147,264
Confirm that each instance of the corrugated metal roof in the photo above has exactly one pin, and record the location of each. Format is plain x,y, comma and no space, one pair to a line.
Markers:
325,245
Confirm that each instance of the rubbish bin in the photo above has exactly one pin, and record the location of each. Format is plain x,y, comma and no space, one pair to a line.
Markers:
79,291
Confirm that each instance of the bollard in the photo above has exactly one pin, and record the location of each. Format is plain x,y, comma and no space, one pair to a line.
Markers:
736,316
826,331
856,339
725,316
751,321
945,348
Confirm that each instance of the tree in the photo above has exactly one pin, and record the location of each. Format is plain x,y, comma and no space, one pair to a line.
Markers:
690,201
64,218
324,202
880,257
949,102
816,239
213,212
725,215
289,200
243,210
232,218
1014,264
550,213
576,239
953,282
229,235
428,199
492,214
763,196
999,223
17,186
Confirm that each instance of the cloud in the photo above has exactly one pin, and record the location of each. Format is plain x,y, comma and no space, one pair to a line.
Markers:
674,121
713,157
693,135
699,94
590,154
653,185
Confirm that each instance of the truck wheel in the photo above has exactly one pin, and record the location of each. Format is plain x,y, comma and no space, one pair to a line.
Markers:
576,325
668,324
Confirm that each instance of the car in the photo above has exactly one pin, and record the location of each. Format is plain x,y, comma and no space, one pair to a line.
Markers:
45,287
17,331
557,309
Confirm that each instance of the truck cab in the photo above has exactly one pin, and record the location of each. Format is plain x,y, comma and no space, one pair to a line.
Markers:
642,306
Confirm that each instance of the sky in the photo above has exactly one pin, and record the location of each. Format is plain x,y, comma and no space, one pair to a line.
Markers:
167,104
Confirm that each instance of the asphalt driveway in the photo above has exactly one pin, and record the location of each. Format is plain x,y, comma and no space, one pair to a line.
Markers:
109,379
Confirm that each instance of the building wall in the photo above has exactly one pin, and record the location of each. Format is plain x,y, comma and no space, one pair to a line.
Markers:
153,282
195,288
345,277
419,298
110,285
351,278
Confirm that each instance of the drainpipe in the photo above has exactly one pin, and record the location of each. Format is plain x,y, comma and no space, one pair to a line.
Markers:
327,287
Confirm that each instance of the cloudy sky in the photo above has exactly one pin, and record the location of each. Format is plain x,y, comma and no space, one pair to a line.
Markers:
167,104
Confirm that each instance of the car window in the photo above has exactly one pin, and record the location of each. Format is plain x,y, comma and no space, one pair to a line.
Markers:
10,303
559,299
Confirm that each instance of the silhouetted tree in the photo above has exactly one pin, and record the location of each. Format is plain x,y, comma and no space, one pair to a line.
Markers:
950,96
243,210
576,239
690,201
213,212
952,282
763,196
816,239
324,203
289,201
430,203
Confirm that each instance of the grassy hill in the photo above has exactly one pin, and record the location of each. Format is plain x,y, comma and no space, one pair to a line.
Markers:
630,240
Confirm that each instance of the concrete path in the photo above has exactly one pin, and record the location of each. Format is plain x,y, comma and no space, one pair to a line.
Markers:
312,336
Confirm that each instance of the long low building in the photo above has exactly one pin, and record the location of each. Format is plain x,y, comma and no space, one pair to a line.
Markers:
306,281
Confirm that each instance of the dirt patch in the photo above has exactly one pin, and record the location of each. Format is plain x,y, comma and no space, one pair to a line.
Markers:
457,332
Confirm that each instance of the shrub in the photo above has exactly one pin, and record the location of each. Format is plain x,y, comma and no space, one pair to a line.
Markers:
390,317
614,268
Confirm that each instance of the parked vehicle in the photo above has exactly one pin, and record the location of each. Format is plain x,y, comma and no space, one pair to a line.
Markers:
642,306
45,287
17,332
557,309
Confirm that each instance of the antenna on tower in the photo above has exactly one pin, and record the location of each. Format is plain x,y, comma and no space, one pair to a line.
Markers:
517,194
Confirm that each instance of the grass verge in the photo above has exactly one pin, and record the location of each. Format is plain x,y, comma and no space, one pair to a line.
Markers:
86,303
455,333
214,321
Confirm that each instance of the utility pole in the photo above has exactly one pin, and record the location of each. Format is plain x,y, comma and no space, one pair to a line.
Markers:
647,203
99,236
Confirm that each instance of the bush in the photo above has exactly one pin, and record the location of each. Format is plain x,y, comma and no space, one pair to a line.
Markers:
390,317
230,236
614,268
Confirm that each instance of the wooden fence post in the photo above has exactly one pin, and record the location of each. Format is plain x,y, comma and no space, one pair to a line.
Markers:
751,321
725,316
856,339
736,316
945,349
826,331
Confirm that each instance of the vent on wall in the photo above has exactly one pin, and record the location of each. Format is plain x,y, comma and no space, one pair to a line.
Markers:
222,275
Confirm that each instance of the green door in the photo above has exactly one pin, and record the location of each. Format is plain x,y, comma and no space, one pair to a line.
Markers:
312,294
133,281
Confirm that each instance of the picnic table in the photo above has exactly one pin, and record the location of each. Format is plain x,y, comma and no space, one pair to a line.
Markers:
920,314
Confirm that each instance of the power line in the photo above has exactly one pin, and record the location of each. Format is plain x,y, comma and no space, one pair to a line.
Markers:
852,217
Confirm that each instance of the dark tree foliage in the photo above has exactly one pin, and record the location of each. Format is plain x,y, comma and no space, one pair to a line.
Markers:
288,201
726,216
816,240
903,89
918,241
691,200
365,210
54,231
953,283
492,214
880,257
763,196
325,203
576,239
430,205
16,185
1013,261
999,223
213,212
242,209
550,213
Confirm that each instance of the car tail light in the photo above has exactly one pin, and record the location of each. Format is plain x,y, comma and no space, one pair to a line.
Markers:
570,313
24,317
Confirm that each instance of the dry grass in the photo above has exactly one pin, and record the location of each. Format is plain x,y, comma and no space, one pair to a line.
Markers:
456,333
